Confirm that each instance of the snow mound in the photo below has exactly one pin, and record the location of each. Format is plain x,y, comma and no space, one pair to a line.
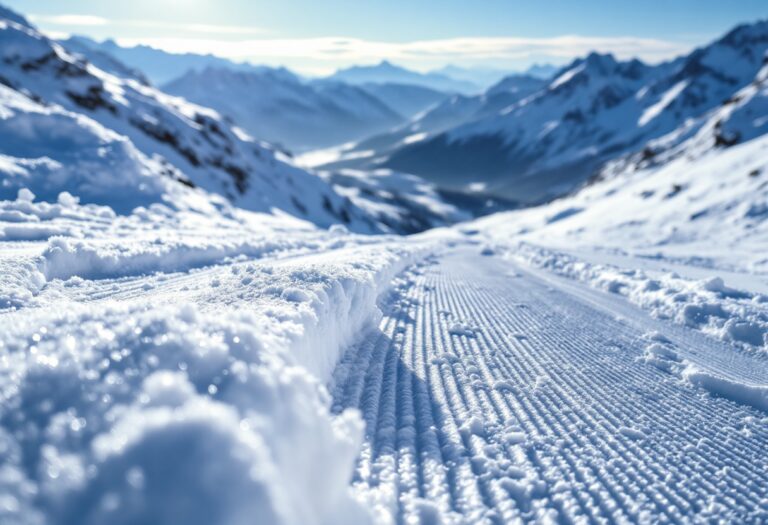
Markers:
135,416
732,315
179,379
740,392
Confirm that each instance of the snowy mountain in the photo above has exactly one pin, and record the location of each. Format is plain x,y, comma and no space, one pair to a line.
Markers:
275,105
452,112
387,73
595,110
704,207
159,66
50,92
51,151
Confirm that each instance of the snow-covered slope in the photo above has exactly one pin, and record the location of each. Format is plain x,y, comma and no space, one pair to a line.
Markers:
399,202
706,205
738,119
276,105
595,110
48,150
99,57
386,72
190,142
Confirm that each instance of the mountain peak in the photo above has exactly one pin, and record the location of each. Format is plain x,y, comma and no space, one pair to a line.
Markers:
13,16
601,61
747,34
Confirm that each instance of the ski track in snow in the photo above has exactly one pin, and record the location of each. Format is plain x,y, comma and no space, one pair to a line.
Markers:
546,406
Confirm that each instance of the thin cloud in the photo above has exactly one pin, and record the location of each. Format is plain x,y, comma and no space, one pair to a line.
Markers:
352,50
88,20
70,20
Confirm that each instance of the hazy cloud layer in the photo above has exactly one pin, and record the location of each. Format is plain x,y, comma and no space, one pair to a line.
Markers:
324,54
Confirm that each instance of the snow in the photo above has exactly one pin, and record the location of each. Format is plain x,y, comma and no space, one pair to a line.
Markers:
567,76
416,137
733,315
698,209
398,202
127,425
748,394
178,348
216,389
654,111
496,427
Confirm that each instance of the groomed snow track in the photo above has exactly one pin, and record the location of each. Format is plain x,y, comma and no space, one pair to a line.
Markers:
493,395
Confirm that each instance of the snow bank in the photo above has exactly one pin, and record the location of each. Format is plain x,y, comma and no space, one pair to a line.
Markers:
65,258
135,416
136,390
740,392
708,305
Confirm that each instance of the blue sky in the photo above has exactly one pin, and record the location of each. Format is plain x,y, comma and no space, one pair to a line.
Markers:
318,36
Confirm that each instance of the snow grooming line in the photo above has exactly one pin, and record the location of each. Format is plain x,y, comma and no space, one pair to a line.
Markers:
116,412
561,426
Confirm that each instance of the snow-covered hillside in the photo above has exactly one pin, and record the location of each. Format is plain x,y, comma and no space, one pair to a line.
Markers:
707,207
596,109
406,204
277,106
52,151
183,141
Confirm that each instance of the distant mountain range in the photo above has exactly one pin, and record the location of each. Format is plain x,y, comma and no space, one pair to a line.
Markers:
372,152
387,73
69,126
526,139
555,137
542,71
158,66
277,106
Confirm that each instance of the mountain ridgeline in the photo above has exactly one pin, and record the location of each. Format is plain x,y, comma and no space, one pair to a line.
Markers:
533,143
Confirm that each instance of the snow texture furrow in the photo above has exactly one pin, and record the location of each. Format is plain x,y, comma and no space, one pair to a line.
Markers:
493,399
